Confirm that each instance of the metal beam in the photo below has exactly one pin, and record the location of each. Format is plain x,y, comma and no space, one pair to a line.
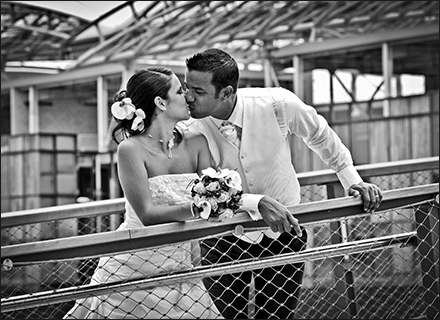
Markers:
63,77
358,42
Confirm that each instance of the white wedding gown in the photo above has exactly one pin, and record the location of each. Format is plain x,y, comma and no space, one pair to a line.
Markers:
184,300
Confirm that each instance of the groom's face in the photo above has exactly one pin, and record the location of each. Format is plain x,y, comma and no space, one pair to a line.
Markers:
201,95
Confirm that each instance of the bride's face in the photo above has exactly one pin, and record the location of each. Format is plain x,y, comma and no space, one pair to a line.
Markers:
178,108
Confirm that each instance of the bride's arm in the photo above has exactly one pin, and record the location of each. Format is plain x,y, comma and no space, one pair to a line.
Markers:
133,177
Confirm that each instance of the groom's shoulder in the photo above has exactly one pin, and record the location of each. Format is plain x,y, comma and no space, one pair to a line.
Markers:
190,124
186,123
252,92
262,92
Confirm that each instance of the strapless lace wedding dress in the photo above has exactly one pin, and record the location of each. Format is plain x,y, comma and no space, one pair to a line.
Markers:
183,300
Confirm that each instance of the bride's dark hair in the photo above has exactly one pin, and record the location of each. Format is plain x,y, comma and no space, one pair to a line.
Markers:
142,88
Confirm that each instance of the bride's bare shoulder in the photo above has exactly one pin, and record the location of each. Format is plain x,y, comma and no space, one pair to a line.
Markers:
129,147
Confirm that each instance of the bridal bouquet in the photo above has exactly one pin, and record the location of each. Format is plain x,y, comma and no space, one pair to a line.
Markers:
217,193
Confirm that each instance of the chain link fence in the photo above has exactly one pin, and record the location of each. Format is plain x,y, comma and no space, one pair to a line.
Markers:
382,265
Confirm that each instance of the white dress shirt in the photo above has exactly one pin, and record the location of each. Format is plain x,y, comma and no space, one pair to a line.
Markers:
268,116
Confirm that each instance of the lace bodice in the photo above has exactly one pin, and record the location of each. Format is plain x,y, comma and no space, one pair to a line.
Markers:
171,189
168,189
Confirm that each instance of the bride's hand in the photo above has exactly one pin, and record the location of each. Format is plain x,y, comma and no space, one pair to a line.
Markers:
277,216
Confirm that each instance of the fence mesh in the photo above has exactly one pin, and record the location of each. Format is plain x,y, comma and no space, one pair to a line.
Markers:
368,279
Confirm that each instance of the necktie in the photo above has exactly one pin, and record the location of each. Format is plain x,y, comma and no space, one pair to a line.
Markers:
231,132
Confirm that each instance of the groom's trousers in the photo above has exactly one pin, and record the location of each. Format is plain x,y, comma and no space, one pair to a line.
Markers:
276,288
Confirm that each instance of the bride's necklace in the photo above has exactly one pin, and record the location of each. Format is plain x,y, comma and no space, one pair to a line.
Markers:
170,144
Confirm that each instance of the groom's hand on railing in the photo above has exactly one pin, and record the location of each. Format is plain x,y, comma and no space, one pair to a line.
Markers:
370,193
277,216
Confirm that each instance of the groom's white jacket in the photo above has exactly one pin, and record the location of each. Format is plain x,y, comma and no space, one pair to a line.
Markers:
264,157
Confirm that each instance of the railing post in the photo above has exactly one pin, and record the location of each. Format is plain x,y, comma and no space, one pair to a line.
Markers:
342,271
427,219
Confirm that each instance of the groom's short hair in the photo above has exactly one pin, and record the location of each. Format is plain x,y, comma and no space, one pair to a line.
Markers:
220,64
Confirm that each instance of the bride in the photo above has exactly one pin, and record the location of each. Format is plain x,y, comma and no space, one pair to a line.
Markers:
155,164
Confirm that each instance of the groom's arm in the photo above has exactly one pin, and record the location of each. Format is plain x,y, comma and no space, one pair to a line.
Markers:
275,214
305,123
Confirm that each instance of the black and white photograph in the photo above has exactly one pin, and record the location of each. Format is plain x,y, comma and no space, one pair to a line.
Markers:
220,160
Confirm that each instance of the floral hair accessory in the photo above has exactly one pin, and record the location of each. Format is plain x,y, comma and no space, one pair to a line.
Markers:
138,122
217,193
123,109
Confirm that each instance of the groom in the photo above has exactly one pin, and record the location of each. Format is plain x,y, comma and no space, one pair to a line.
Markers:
254,139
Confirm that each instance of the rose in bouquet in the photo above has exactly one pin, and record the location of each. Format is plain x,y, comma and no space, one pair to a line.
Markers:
217,193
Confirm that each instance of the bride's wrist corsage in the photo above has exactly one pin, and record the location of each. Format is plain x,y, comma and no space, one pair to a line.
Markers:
217,193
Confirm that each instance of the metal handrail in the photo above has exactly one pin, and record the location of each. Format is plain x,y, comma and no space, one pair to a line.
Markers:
117,206
152,236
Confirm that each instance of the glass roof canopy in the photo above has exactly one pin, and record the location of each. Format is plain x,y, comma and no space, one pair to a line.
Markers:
81,33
